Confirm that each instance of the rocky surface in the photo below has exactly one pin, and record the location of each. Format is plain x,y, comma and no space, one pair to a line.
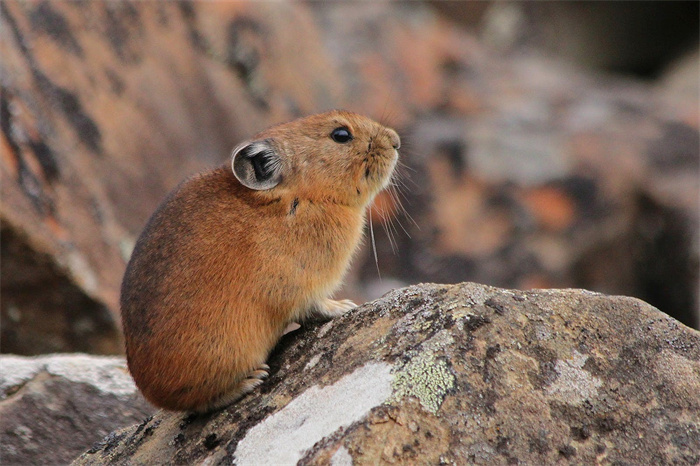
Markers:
52,407
570,180
105,108
462,374
524,172
641,40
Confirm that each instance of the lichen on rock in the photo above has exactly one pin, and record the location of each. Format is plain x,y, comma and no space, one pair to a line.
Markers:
425,375
574,385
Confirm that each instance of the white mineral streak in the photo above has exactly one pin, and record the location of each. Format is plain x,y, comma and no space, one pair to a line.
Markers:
341,457
106,373
314,415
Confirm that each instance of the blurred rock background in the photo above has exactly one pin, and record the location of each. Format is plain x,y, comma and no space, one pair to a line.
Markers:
545,144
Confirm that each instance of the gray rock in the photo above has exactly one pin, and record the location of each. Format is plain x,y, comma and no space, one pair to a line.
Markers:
53,407
455,374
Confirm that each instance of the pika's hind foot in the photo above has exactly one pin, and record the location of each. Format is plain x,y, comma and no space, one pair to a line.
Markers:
254,379
259,373
330,308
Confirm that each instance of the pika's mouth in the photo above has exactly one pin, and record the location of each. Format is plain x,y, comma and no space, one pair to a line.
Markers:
380,159
379,168
390,170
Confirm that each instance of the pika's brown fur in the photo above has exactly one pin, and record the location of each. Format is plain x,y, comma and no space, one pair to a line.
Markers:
232,256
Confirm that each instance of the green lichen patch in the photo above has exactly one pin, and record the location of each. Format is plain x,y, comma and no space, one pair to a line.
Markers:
425,377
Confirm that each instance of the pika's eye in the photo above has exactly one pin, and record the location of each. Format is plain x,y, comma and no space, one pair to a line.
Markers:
341,135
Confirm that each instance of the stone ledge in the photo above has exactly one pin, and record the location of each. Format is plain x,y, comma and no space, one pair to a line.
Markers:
455,374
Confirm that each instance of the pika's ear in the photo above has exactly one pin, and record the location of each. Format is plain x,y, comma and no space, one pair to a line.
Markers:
257,165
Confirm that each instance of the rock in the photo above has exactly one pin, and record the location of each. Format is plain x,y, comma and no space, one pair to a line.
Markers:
52,406
525,173
640,40
559,179
105,110
461,374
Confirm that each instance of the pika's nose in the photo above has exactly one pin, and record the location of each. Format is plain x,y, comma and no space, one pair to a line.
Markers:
394,138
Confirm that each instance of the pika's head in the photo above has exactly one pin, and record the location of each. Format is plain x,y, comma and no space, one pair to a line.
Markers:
338,157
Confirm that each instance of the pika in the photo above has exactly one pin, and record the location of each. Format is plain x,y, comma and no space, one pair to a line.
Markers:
234,255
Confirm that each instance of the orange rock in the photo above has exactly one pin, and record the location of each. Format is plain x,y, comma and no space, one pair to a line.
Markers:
553,208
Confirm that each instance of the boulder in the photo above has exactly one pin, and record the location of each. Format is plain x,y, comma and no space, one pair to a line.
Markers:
458,374
640,40
107,106
570,180
52,406
521,171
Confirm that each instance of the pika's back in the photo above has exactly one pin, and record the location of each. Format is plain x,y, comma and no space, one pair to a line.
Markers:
179,246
